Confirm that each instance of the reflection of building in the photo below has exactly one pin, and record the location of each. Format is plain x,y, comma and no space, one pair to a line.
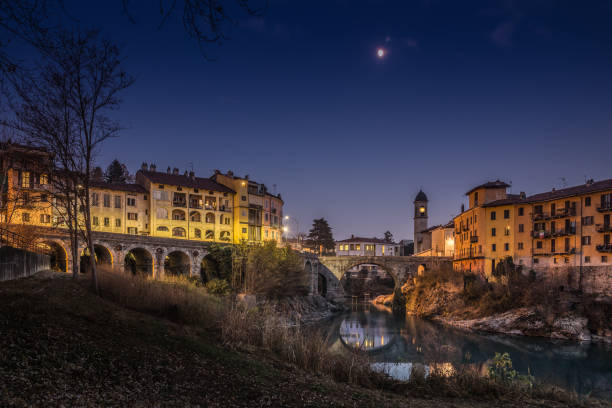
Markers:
358,246
368,338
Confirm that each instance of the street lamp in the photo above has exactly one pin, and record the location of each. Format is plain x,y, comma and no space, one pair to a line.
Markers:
297,226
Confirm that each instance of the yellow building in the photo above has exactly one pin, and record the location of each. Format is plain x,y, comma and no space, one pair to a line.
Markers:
257,213
187,207
120,208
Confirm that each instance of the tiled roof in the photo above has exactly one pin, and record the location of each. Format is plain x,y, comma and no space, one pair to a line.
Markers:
510,199
592,187
185,181
132,188
367,240
490,184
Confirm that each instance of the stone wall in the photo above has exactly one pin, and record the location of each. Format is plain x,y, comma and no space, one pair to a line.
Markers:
596,280
18,263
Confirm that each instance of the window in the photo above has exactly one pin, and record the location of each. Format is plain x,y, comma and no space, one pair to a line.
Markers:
521,228
117,201
587,203
132,216
227,221
554,260
106,200
506,246
493,247
358,247
606,200
492,215
25,179
95,199
210,203
539,244
43,180
266,235
178,232
25,217
587,259
521,211
224,236
210,234
106,222
131,201
586,240
536,260
604,259
179,200
475,218
506,214
520,245
132,230
244,230
552,245
493,232
96,221
178,215
162,213
160,195
588,220
45,218
197,233
162,228
507,230
243,198
118,222
44,198
476,198
266,217
538,209
352,247
210,218
195,216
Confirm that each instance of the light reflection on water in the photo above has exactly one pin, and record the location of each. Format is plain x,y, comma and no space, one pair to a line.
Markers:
397,345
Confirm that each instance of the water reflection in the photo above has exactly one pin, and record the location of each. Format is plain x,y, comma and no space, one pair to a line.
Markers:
397,346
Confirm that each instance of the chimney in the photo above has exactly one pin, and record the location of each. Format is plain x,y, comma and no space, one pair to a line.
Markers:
589,182
554,189
352,236
168,171
191,175
143,166
230,173
246,177
186,173
153,167
175,171
462,208
217,172
522,195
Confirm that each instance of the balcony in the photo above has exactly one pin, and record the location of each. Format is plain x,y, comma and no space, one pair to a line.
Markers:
541,216
567,251
540,234
195,205
210,207
474,239
564,232
225,209
604,248
465,227
607,207
179,203
603,227
565,212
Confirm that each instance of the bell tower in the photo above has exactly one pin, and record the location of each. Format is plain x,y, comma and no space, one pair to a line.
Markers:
421,240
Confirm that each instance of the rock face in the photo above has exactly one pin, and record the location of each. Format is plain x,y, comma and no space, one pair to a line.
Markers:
528,322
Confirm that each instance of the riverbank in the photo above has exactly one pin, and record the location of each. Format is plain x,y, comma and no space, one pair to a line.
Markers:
62,345
520,307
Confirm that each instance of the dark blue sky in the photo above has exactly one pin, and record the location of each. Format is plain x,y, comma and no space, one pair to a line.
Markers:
468,92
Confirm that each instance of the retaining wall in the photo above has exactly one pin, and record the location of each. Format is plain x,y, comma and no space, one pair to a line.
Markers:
18,263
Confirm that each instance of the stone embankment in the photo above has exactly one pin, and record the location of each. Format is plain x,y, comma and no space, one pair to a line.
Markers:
300,309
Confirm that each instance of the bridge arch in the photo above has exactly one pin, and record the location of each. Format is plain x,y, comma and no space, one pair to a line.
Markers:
59,255
371,261
138,260
177,262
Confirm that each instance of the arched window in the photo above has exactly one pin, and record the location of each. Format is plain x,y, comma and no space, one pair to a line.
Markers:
162,213
210,234
224,236
162,228
178,232
210,218
197,233
195,216
178,215
221,219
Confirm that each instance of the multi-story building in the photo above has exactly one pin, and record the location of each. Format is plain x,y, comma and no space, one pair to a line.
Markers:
561,230
119,208
258,214
187,207
442,239
359,246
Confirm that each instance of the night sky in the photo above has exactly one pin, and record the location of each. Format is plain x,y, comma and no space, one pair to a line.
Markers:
468,91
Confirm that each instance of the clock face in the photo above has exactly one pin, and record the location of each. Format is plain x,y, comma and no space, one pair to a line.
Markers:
422,210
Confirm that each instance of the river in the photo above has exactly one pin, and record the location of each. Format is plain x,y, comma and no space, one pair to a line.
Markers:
396,344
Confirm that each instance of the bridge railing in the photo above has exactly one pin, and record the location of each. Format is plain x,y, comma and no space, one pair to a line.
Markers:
12,239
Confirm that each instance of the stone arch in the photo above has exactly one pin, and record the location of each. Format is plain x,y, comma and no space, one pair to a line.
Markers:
177,262
390,271
104,257
59,256
195,216
138,260
178,215
179,232
210,218
321,284
368,283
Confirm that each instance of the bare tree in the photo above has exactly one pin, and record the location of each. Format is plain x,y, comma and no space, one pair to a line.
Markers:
64,105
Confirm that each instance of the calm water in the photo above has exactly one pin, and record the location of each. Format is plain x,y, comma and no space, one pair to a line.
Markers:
396,344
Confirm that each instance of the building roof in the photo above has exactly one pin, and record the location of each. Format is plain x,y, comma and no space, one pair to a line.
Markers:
185,181
421,196
510,199
449,224
490,184
590,187
132,188
367,240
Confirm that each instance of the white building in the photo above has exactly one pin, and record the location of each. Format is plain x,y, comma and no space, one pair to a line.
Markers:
358,246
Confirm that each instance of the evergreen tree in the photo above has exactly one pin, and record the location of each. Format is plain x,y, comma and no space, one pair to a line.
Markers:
116,173
320,236
388,236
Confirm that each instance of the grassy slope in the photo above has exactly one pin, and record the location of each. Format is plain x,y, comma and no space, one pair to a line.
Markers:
60,345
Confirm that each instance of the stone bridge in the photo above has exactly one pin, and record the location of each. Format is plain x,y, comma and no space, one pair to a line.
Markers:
327,271
143,253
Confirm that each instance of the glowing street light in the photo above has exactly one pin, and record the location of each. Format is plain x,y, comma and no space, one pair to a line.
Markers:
380,53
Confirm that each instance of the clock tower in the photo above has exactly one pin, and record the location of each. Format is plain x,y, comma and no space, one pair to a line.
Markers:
421,240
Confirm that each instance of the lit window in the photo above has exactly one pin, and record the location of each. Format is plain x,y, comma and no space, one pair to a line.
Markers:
25,179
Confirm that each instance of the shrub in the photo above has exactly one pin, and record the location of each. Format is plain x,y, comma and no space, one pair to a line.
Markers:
218,287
